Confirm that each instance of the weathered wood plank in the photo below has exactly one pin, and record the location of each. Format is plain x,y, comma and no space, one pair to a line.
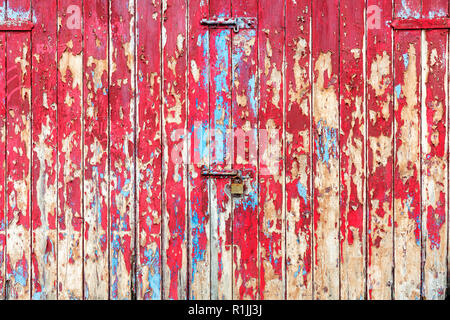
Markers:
298,151
198,110
45,152
18,167
2,152
95,152
174,174
245,107
352,150
122,147
149,149
271,150
379,150
70,117
407,197
220,153
434,155
325,57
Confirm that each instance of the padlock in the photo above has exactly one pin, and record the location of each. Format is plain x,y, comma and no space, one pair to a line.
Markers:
237,187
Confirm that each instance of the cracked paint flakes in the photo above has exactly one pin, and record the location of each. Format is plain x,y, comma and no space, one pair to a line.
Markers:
407,166
18,266
174,151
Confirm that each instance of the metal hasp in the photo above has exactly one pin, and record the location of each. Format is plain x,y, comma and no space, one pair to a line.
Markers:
237,180
420,24
235,23
16,26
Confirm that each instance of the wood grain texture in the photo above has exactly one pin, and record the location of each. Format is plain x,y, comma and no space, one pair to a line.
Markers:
149,155
298,151
220,151
18,164
271,181
198,121
407,169
122,148
245,106
325,60
95,151
70,164
352,151
380,150
174,176
434,154
45,153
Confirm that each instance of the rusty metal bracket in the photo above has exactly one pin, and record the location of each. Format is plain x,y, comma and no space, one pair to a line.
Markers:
226,174
235,23
16,26
420,24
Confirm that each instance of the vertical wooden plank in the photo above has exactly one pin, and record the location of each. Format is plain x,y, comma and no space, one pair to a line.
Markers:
220,153
407,197
245,154
174,150
198,110
379,150
352,150
95,151
122,147
298,151
18,132
325,54
271,142
2,151
434,153
149,149
45,157
70,90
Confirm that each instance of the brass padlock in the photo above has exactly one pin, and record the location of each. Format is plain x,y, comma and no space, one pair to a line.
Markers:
237,187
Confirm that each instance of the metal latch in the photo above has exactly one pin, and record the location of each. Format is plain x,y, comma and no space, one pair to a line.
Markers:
235,23
237,179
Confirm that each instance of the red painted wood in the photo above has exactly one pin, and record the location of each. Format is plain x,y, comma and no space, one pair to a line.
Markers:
16,26
271,149
2,153
379,151
45,157
220,120
95,154
149,155
18,179
407,195
174,150
325,57
414,24
70,213
434,155
298,151
352,151
245,121
198,110
122,148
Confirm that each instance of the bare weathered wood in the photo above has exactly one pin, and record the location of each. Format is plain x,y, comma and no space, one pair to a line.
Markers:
44,165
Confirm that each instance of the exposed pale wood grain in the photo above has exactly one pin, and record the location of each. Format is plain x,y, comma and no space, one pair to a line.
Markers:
45,152
298,150
174,176
148,50
379,150
352,150
18,163
95,152
434,155
122,148
325,63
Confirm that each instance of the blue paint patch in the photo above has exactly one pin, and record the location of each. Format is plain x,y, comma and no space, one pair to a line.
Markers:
406,60
398,90
327,143
302,191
